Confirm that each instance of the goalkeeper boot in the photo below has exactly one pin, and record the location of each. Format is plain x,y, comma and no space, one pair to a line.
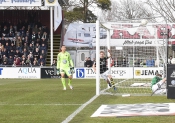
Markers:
64,88
71,87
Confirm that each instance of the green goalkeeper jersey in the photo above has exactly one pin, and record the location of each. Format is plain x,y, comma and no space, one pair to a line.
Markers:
155,80
64,60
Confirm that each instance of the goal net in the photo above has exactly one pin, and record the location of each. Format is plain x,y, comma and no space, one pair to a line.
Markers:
137,55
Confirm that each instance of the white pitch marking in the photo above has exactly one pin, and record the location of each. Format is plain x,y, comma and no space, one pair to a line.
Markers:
70,117
59,104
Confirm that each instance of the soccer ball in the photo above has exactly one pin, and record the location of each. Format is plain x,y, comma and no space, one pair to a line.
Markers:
173,82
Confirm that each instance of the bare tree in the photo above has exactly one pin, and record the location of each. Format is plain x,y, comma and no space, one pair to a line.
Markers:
165,8
127,10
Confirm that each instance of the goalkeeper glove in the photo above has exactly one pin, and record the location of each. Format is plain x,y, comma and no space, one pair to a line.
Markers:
72,70
58,71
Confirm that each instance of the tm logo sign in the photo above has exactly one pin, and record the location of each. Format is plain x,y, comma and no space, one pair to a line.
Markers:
80,73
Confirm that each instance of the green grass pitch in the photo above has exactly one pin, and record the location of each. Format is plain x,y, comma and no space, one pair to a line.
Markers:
44,101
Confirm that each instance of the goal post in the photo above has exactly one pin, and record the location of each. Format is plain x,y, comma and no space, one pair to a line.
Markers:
129,77
97,57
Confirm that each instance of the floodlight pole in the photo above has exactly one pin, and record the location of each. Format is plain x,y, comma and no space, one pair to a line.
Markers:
51,35
97,58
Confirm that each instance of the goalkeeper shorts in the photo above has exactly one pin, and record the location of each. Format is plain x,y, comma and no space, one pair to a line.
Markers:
159,88
65,71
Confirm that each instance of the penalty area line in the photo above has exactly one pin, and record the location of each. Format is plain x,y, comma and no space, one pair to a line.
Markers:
70,117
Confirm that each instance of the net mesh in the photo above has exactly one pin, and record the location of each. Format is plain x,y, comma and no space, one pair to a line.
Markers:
134,58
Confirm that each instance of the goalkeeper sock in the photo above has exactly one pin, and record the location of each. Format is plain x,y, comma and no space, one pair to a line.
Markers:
69,82
63,82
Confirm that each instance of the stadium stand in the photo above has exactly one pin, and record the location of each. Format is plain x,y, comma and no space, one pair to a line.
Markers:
23,44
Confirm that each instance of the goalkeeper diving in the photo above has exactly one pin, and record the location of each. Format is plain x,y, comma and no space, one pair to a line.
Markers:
65,66
104,72
158,84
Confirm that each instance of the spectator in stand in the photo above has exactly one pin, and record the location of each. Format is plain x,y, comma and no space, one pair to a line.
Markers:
41,64
2,40
124,63
14,65
11,53
88,62
23,58
45,36
23,64
12,47
5,64
10,60
43,54
28,61
137,63
34,64
38,36
11,31
4,52
43,47
25,46
41,59
17,53
25,53
17,61
7,40
38,41
40,30
19,44
31,48
44,41
45,29
35,29
26,40
23,32
5,31
85,61
54,63
37,46
33,36
150,62
7,47
35,59
31,57
36,53
29,30
4,58
170,59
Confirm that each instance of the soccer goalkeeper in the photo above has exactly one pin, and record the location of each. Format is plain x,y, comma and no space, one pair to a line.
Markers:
65,66
104,72
157,83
